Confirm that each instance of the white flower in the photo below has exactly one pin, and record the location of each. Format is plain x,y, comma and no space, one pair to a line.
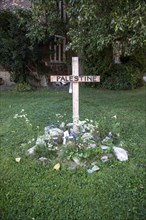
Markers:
114,117
50,145
22,110
16,116
21,116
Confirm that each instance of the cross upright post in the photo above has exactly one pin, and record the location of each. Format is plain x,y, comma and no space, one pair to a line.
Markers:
75,94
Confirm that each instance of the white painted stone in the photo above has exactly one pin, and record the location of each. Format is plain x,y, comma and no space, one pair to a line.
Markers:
31,150
120,153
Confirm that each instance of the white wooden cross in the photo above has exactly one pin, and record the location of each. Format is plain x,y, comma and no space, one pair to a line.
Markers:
75,79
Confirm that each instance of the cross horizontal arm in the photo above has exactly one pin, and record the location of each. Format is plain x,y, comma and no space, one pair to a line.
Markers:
75,78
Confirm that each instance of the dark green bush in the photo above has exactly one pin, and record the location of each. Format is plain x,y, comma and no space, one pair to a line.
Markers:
127,75
17,53
124,76
23,87
14,46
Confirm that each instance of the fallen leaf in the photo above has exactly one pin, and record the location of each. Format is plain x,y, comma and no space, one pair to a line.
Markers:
57,166
18,159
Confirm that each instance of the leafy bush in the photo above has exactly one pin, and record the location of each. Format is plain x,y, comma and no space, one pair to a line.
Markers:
22,87
14,46
122,77
127,75
17,53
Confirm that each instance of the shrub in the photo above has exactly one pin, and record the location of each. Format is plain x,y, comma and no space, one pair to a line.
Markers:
23,87
17,53
14,52
127,75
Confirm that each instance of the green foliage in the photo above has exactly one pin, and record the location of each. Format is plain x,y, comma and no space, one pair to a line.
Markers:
23,87
93,28
46,21
17,53
14,46
122,77
127,75
96,27
100,23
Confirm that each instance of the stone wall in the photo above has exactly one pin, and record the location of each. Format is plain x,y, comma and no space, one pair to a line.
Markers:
6,78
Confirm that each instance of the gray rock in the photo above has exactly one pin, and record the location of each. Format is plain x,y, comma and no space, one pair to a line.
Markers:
57,140
47,129
70,138
82,129
41,141
73,134
43,159
93,169
120,154
91,146
90,171
104,159
104,147
87,136
46,137
69,125
110,135
72,167
56,132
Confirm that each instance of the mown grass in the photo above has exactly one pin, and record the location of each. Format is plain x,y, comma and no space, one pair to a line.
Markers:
30,190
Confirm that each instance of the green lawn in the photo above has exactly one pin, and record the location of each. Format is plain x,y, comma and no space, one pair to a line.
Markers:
30,190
